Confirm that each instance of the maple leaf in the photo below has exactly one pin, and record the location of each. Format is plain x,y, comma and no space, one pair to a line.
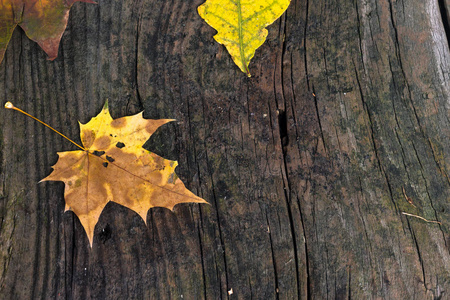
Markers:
241,25
115,167
43,21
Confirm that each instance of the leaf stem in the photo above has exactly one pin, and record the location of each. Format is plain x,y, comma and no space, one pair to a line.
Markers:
9,105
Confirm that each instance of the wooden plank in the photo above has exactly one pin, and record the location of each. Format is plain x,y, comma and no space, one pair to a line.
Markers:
308,165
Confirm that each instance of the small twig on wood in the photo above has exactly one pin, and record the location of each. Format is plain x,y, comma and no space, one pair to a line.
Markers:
407,198
422,218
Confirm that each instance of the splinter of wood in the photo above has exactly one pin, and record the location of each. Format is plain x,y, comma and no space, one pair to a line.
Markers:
422,218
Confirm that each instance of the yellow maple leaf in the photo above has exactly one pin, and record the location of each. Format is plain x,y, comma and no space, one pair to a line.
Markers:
240,25
115,167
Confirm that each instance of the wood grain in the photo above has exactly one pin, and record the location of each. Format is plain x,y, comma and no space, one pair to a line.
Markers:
304,164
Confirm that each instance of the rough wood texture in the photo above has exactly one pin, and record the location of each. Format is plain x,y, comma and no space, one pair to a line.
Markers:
307,165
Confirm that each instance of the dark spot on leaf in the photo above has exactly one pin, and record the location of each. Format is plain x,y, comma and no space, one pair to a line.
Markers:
88,137
105,164
172,178
109,158
120,145
117,123
102,142
99,153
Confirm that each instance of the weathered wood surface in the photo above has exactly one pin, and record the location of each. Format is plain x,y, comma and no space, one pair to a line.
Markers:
304,164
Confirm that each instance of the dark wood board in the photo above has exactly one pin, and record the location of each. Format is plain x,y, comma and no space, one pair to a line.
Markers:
308,165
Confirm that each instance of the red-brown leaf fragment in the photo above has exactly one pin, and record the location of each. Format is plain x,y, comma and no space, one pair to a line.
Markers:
43,21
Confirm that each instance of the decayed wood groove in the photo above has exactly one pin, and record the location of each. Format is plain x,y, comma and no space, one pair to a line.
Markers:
306,164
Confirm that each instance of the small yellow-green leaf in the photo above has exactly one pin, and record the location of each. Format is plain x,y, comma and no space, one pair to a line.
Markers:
240,24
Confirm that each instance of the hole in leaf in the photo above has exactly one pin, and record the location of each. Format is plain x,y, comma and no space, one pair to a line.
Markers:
120,145
105,164
99,153
109,158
